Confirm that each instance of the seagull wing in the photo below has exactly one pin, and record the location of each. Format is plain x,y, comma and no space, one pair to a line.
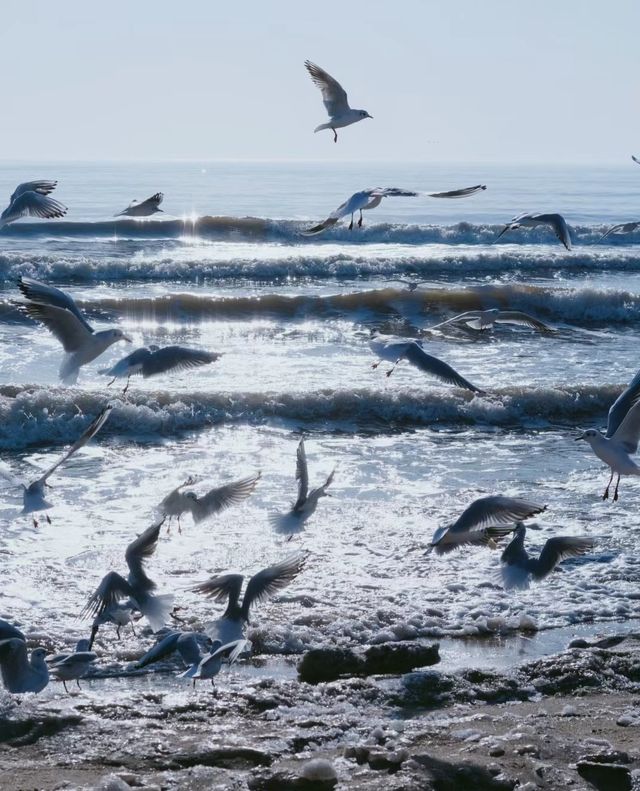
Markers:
42,187
269,581
163,648
153,202
470,314
628,432
635,159
221,587
557,223
495,510
35,291
131,364
558,549
357,201
176,358
333,94
223,497
64,326
417,356
140,550
622,405
302,475
90,432
518,317
33,204
111,589
465,192
231,651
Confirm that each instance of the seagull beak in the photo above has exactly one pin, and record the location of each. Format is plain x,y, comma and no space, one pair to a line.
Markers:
581,436
127,339
369,116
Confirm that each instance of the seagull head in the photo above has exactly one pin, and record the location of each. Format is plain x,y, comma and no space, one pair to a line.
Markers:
119,335
364,114
589,435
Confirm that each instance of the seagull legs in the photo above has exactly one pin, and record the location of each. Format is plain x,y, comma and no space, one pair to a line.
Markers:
375,365
351,223
64,684
126,387
360,220
615,494
35,521
78,683
605,496
393,367
335,135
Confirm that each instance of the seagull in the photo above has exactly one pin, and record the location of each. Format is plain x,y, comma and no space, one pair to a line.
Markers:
143,208
34,494
211,663
32,199
621,438
261,586
620,228
8,630
19,672
411,285
635,159
72,666
518,569
154,360
335,101
485,319
187,644
394,349
105,603
483,522
60,314
554,221
213,502
370,198
307,501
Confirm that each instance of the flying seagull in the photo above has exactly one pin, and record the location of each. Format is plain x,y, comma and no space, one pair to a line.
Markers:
106,603
394,349
34,494
61,316
621,439
620,228
32,199
635,159
72,666
483,522
518,569
187,644
335,101
21,673
485,319
555,221
154,360
143,208
213,502
307,501
370,198
410,285
260,587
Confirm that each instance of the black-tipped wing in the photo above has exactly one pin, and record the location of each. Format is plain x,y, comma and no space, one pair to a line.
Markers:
42,187
163,648
223,497
109,592
140,550
62,324
221,587
518,317
493,511
417,356
36,291
465,192
302,475
269,581
33,204
176,358
333,94
558,549
622,405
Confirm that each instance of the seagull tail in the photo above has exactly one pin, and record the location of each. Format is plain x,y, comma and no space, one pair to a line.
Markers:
321,127
320,227
157,610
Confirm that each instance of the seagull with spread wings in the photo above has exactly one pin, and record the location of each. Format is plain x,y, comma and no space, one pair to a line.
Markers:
31,199
211,664
21,672
518,569
410,285
34,494
307,501
619,229
556,222
484,522
201,507
231,626
486,319
335,101
621,439
394,349
370,198
143,208
62,317
116,598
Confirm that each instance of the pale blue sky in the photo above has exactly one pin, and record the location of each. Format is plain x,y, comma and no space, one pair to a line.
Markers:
446,80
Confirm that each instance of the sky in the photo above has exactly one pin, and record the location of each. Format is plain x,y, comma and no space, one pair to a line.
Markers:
445,80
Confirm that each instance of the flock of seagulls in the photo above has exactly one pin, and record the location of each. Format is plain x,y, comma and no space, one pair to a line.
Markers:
120,599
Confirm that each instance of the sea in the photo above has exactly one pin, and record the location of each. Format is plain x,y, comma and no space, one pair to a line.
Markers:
227,268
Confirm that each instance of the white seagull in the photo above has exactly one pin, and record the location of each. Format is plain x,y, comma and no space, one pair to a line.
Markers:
211,664
370,198
261,586
143,208
34,493
335,101
485,319
73,665
307,501
483,522
201,507
32,199
620,228
61,316
555,221
621,439
21,673
394,349
518,569
106,603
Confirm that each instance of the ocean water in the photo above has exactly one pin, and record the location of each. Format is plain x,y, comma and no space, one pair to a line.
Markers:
226,269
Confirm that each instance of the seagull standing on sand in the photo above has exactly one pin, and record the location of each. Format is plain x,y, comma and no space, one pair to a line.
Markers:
483,522
32,199
72,666
335,101
370,198
261,586
555,221
518,569
485,319
621,439
143,208
394,349
106,604
33,497
213,502
61,316
21,673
